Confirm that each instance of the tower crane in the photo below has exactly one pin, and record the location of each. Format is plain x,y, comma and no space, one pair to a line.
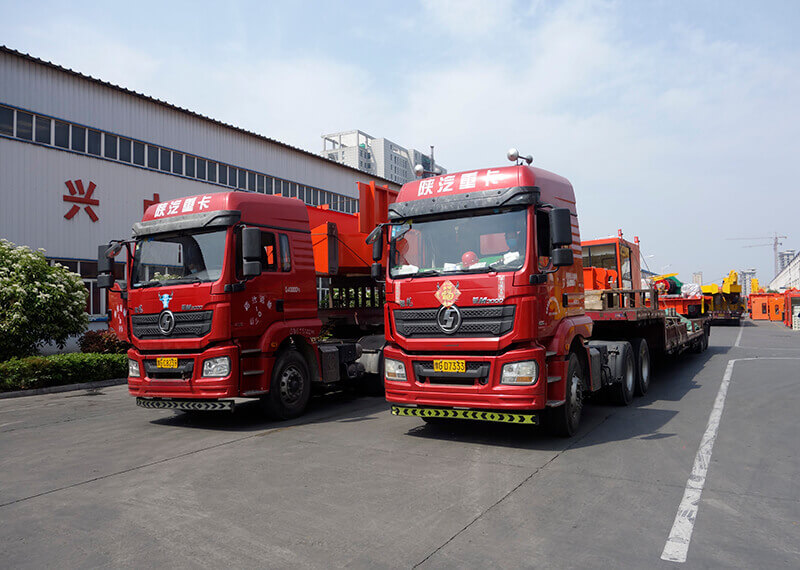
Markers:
774,241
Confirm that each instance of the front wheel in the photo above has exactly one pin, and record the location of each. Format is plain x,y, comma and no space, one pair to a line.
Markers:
564,420
290,388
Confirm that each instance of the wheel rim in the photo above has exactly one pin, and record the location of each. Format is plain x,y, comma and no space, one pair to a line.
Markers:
575,400
291,385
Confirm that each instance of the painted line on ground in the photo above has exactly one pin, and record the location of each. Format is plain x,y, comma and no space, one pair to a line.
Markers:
677,545
739,338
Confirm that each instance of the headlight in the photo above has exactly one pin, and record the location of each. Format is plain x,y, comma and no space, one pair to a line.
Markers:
520,373
394,370
133,368
216,367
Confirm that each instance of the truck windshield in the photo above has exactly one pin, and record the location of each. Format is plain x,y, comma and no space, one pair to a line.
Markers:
482,243
185,257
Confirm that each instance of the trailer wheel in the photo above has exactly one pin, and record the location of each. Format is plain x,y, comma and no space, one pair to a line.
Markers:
290,388
563,421
642,356
622,392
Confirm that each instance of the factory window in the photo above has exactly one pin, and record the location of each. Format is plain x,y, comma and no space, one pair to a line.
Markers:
24,126
93,144
125,150
201,169
111,147
243,179
223,174
165,160
177,163
43,130
152,156
212,171
268,184
138,153
78,138
232,177
190,166
260,183
7,121
251,181
62,134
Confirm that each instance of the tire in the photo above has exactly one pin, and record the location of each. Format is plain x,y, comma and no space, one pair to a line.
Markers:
563,421
622,392
641,354
290,388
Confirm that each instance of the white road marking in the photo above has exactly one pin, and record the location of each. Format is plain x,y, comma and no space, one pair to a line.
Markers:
739,338
677,546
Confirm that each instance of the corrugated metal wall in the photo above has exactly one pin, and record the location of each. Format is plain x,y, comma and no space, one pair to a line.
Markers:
44,89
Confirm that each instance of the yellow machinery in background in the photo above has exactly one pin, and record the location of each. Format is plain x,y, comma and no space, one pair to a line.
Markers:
727,304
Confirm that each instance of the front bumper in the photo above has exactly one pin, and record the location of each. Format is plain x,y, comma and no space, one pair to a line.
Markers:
188,382
485,393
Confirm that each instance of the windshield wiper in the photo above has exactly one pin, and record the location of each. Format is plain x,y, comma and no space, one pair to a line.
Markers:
426,272
187,279
149,284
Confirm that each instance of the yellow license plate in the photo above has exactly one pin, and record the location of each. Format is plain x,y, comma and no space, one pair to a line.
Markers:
449,366
166,362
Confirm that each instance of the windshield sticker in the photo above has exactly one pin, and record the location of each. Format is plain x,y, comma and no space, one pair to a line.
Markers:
447,293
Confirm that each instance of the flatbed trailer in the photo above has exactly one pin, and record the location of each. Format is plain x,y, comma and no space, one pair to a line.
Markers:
628,314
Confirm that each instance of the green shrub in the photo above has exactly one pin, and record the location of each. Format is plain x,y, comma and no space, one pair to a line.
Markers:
60,369
39,303
102,342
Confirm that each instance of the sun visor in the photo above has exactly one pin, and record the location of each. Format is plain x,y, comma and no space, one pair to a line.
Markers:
217,218
480,200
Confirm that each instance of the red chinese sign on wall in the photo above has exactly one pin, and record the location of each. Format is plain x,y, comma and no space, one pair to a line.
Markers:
77,195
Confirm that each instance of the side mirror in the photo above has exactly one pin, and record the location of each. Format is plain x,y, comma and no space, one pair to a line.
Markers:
375,234
560,227
376,271
562,257
251,252
104,263
377,250
105,281
251,269
251,244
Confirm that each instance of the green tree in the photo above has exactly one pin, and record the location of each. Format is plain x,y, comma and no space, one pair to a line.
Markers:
38,303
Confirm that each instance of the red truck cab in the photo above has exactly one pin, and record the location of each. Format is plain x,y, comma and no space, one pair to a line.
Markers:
483,305
222,301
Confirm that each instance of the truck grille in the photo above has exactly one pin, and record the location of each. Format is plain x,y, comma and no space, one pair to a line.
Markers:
188,324
475,322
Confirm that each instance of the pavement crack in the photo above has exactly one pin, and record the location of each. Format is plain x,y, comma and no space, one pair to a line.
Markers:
538,470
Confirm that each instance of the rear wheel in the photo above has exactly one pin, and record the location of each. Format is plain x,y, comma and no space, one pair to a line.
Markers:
290,388
622,392
564,420
642,357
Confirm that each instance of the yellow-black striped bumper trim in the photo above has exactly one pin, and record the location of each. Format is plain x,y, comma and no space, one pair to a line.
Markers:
530,419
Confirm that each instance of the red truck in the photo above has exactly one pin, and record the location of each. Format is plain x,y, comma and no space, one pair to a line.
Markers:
242,295
485,305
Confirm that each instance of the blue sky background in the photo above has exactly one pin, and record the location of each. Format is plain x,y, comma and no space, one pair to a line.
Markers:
676,121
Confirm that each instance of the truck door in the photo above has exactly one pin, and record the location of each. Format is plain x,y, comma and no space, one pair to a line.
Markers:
261,302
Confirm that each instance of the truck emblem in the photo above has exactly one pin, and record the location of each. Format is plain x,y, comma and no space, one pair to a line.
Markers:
447,293
449,319
166,322
165,299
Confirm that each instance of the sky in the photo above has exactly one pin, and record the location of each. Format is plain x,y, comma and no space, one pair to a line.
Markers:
676,121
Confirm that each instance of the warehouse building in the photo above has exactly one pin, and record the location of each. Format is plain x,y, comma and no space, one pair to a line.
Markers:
80,160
